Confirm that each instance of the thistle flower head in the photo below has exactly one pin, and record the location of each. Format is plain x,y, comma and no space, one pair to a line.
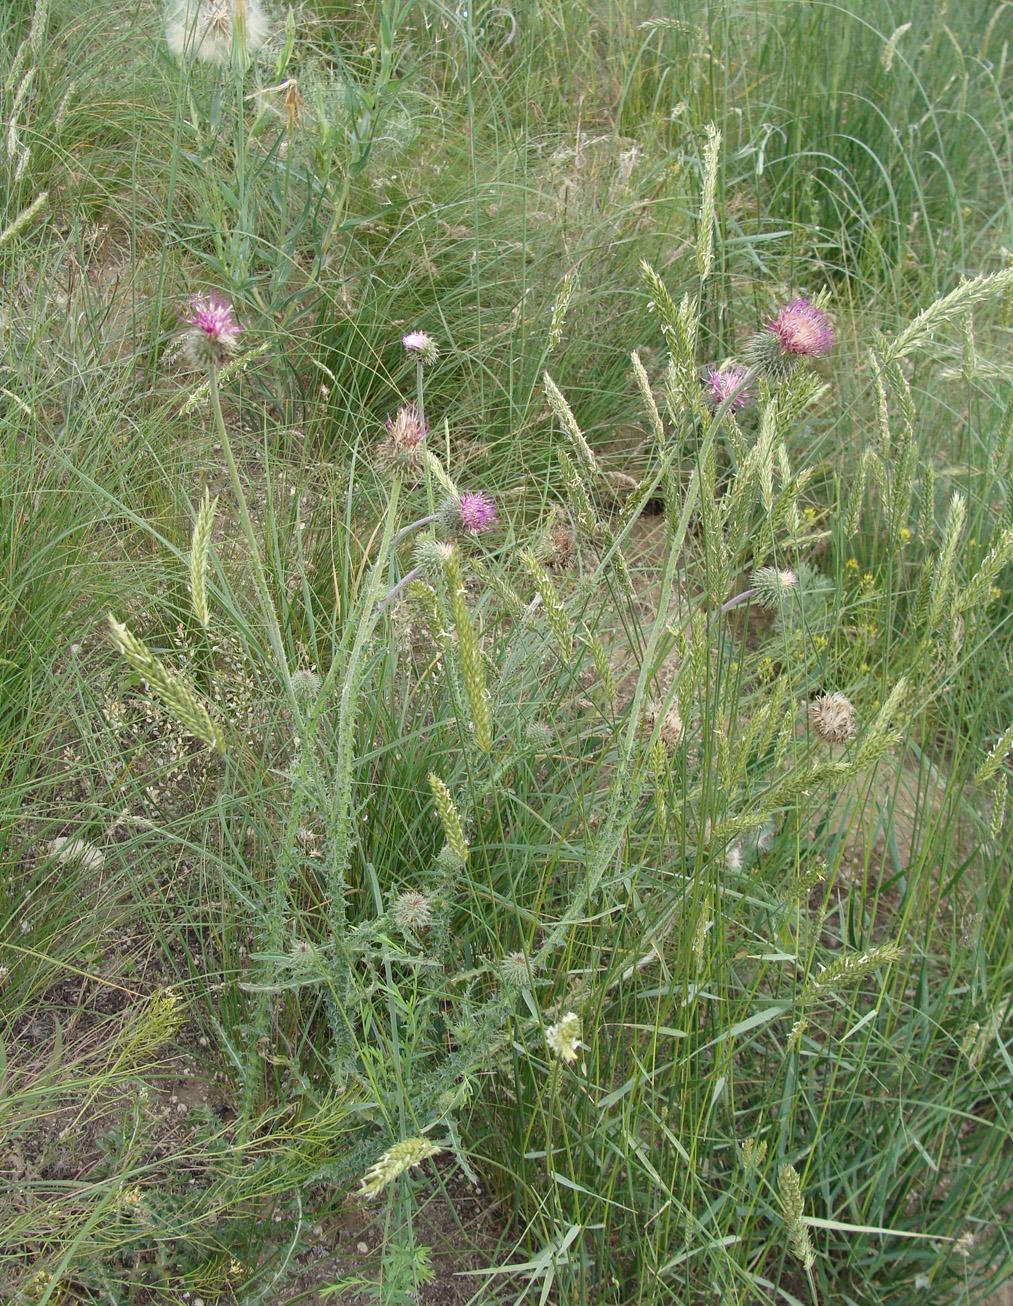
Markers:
213,331
832,716
729,383
394,1162
423,346
406,434
305,685
207,29
773,585
432,555
797,331
470,513
515,971
563,1038
411,912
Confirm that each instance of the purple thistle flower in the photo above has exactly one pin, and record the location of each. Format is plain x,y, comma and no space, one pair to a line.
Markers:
214,331
725,382
477,512
803,330
417,342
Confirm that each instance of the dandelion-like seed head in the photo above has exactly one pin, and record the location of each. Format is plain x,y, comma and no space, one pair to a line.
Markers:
207,29
411,912
729,383
394,1162
213,331
563,1038
421,345
406,434
832,716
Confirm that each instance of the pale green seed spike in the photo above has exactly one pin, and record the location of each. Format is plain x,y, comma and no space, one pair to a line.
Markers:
705,229
644,385
602,666
561,307
469,654
453,830
969,360
847,971
580,503
200,549
946,309
555,612
567,420
395,1161
24,217
178,698
661,301
885,731
440,473
945,567
996,757
976,593
789,1188
998,820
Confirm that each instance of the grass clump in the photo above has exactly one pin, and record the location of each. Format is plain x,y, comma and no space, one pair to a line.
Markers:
553,747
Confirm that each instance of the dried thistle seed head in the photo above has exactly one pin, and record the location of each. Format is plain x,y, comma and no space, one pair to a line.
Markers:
411,912
729,383
213,332
468,514
773,585
421,345
832,716
563,1037
394,1162
516,971
671,725
406,435
539,733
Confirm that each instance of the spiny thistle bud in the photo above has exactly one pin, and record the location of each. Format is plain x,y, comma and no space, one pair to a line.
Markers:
305,685
516,971
798,331
214,331
421,345
431,556
833,718
450,820
563,1038
729,383
411,912
177,696
406,434
395,1161
468,514
671,725
205,29
773,586
792,1207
